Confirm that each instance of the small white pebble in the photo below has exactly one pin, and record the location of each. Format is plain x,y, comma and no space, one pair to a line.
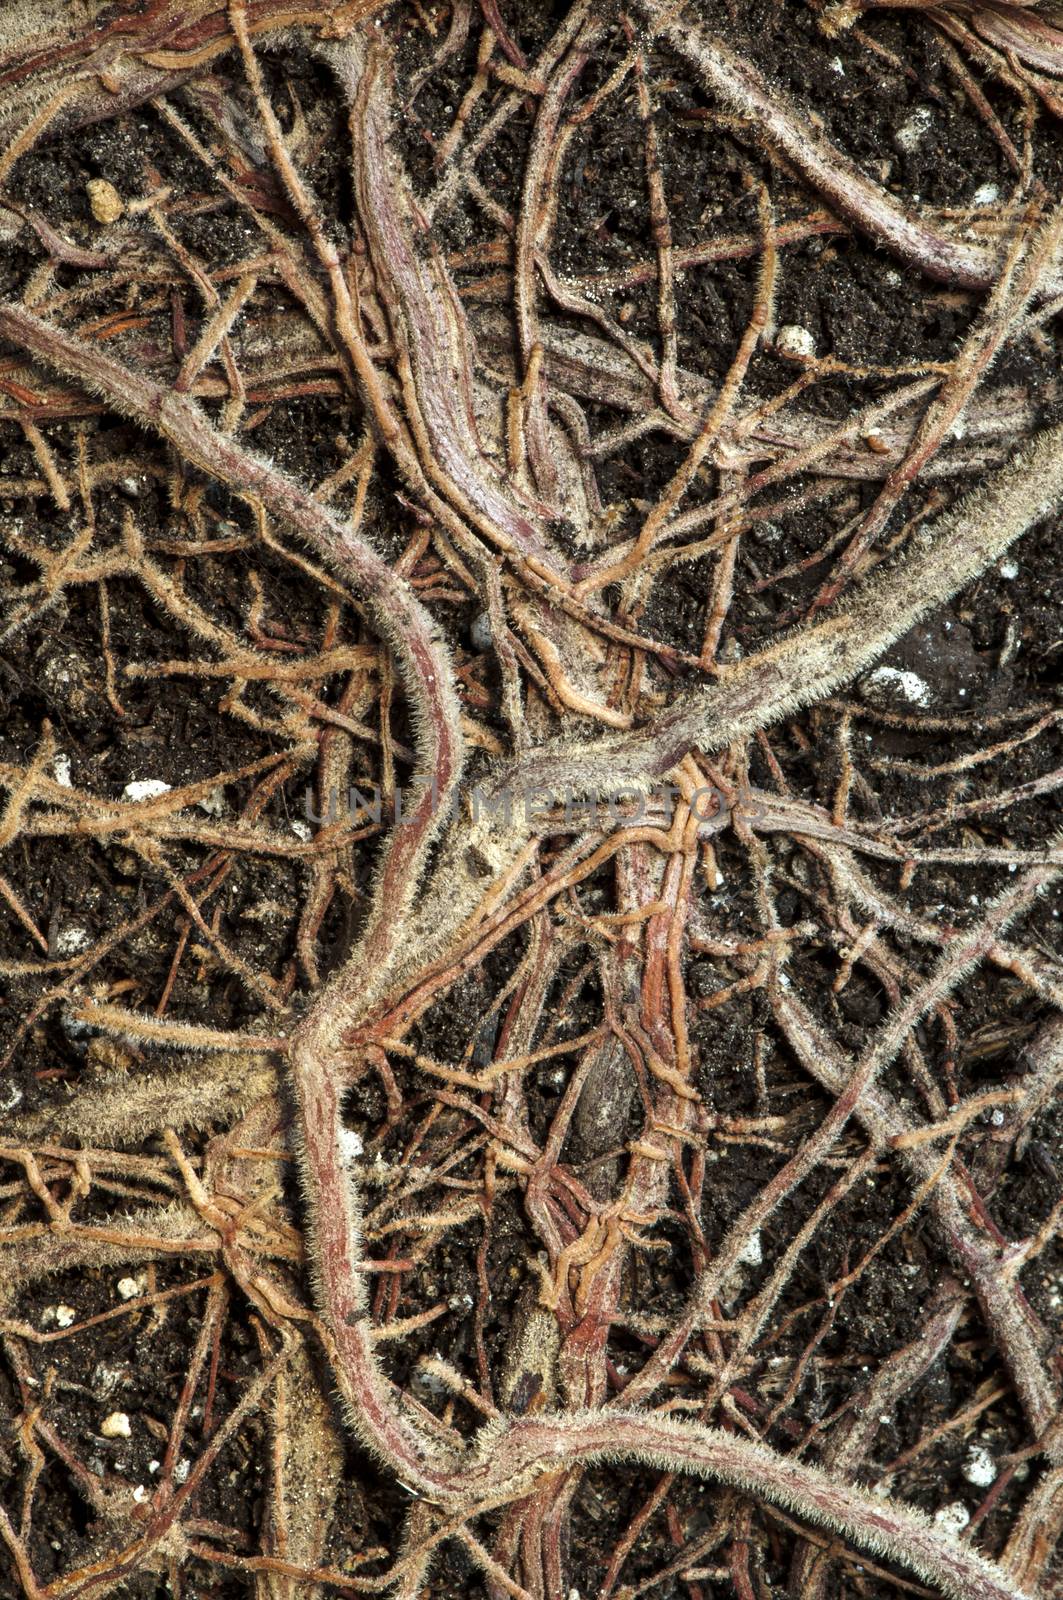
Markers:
70,941
62,1316
61,768
752,1252
795,343
140,1494
213,803
836,66
146,789
10,1097
997,1118
914,130
350,1144
182,1469
987,194
952,1518
890,683
1009,568
480,631
116,1426
154,1464
980,1468
74,1028
302,830
129,1288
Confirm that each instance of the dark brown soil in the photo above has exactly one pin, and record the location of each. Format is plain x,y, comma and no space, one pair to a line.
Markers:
983,663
